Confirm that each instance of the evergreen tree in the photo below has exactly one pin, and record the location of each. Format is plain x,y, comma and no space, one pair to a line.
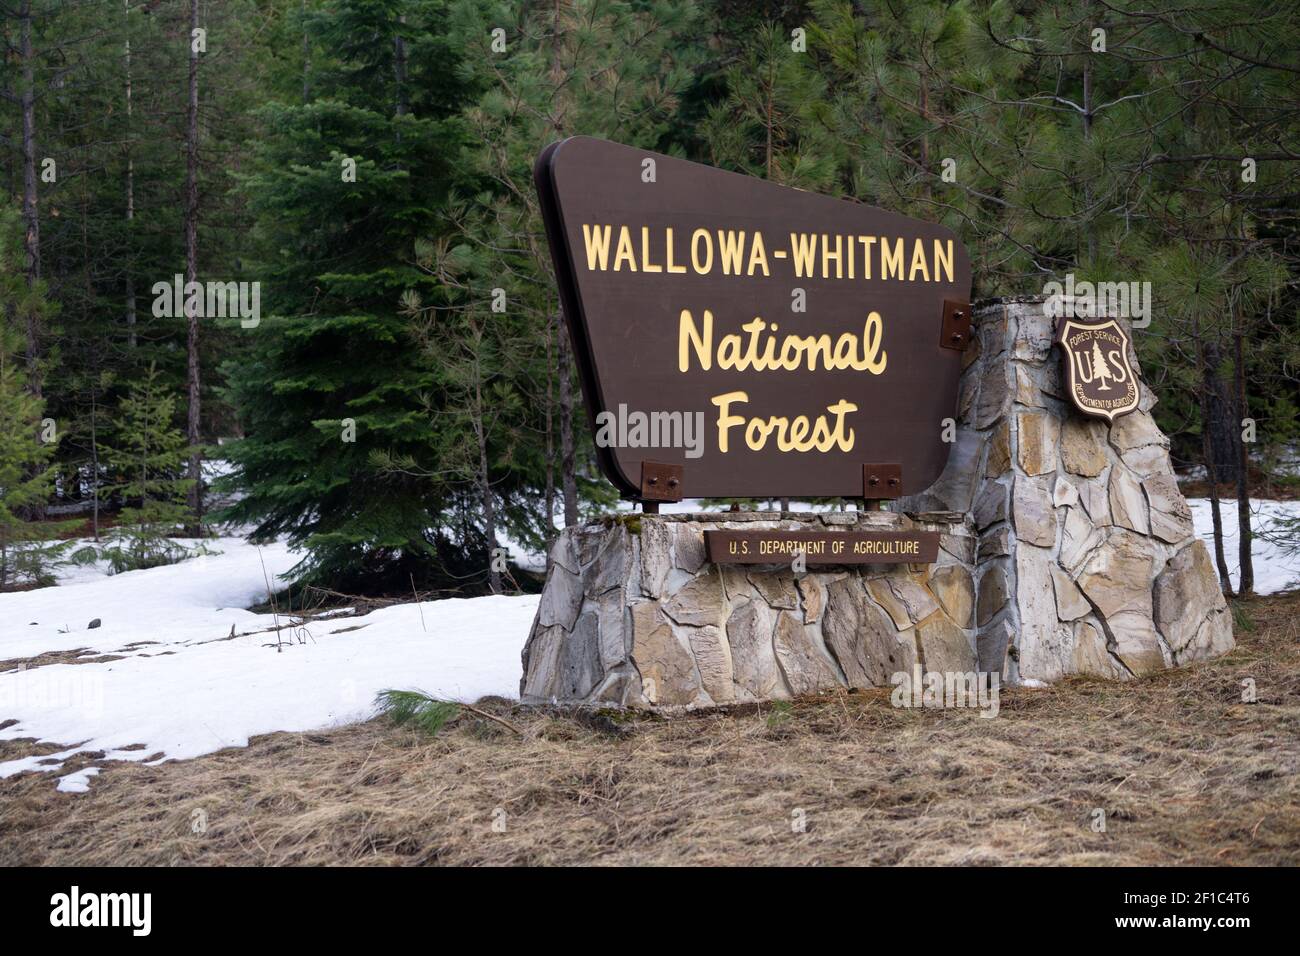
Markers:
343,182
29,550
149,458
478,418
770,123
579,67
1116,144
382,194
108,112
1100,371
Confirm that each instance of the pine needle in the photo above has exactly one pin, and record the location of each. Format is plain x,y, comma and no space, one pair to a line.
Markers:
417,709
428,713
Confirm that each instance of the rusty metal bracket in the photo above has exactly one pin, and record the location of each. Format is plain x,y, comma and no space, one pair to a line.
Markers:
881,481
660,482
956,327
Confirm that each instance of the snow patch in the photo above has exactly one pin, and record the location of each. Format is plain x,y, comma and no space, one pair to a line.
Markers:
1275,570
197,599
183,687
78,782
197,697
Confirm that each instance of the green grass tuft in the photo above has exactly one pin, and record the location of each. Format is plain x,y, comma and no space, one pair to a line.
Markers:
782,710
417,709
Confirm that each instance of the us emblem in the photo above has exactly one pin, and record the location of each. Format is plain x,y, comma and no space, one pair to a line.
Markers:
1098,374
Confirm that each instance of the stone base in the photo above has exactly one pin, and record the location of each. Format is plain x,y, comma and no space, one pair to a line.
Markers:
633,615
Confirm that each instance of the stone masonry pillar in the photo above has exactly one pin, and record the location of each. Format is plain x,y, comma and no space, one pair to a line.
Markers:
1087,563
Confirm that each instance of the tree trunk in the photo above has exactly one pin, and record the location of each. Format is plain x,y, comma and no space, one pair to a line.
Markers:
1246,573
489,521
1087,134
568,481
925,137
1220,418
399,68
306,60
191,275
767,152
485,493
31,220
1211,473
568,478
549,495
130,198
94,463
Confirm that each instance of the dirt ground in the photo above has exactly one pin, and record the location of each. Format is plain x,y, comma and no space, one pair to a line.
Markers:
1184,770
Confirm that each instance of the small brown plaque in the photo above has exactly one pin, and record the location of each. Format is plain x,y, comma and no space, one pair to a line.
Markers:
822,547
1099,377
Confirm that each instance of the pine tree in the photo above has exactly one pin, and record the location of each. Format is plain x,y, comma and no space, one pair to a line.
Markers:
1100,371
479,416
149,457
1139,144
29,550
342,185
109,114
578,67
767,124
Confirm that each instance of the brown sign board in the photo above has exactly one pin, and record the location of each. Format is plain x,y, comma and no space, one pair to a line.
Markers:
1099,377
783,339
822,547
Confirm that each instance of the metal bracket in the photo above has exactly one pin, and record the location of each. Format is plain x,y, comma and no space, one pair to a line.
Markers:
881,481
955,332
660,482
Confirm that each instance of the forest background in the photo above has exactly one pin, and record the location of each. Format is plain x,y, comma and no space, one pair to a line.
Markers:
368,164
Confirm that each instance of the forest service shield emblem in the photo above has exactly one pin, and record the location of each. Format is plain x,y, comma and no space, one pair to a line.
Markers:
1099,377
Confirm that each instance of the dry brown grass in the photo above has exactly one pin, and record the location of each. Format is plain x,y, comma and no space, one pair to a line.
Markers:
1185,771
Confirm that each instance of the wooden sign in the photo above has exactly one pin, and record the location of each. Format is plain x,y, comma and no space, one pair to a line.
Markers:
1099,378
822,547
737,338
